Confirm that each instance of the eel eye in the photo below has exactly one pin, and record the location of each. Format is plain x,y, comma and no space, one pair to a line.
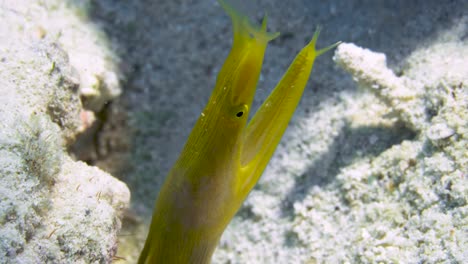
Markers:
239,111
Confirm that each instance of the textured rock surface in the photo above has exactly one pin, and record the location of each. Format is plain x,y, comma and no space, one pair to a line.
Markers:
52,209
410,202
88,49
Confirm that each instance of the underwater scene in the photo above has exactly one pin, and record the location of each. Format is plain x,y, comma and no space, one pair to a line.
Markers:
233,131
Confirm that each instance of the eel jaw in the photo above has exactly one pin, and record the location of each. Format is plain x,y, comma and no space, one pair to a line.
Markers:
263,133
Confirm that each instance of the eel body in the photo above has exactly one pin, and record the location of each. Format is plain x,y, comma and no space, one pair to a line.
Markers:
224,155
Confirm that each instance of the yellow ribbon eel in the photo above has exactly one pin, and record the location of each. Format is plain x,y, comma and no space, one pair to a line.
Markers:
224,156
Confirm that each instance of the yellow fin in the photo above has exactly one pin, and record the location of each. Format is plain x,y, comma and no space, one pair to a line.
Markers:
243,27
267,126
